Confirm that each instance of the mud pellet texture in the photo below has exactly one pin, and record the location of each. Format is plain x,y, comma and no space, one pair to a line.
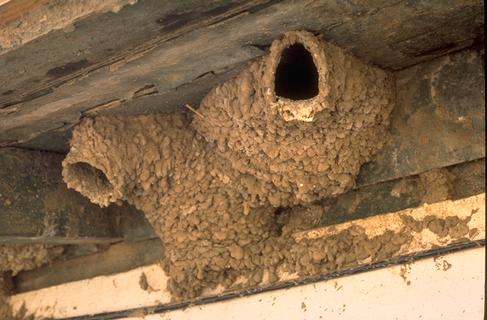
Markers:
213,186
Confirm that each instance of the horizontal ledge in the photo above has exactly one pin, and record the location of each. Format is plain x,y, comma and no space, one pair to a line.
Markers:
58,240
157,298
117,258
329,298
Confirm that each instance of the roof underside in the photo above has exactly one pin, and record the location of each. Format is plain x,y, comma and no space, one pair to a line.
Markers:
153,56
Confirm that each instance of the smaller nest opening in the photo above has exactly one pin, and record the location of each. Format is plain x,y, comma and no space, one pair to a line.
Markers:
89,178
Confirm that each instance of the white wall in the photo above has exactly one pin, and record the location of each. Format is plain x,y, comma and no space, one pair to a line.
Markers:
433,292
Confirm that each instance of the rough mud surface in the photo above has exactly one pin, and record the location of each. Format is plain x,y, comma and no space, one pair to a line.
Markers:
212,187
16,258
452,226
24,24
299,150
437,184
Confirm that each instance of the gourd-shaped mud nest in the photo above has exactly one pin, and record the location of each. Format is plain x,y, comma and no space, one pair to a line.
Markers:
293,127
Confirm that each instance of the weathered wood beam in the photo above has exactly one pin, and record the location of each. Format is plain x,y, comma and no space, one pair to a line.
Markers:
37,207
448,183
117,258
101,66
22,21
438,119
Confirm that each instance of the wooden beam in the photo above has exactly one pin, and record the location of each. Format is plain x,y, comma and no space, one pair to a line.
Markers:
172,45
37,207
437,120
23,21
143,290
117,258
448,183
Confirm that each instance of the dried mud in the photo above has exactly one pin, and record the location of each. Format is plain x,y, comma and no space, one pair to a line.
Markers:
16,258
213,187
299,150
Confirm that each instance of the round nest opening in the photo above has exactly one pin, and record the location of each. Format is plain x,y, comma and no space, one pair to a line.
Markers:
88,179
296,76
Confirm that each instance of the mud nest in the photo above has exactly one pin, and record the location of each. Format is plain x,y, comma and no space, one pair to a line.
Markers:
293,127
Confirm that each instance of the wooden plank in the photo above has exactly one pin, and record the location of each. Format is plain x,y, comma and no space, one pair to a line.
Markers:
437,121
37,207
171,45
117,258
23,21
424,239
448,183
126,291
